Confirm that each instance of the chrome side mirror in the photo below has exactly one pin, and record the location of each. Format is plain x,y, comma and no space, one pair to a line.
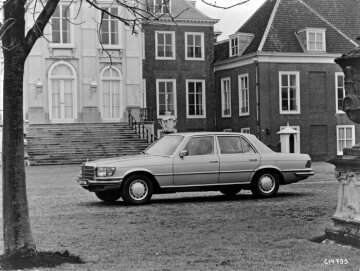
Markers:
183,153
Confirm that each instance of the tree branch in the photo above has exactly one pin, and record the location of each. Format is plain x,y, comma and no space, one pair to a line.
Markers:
38,28
224,7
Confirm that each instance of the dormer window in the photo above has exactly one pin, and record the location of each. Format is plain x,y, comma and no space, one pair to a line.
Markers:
159,6
239,42
313,39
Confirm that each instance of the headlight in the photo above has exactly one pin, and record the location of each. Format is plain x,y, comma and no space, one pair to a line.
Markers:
105,171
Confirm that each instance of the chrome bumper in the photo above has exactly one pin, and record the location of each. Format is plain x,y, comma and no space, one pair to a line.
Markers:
99,184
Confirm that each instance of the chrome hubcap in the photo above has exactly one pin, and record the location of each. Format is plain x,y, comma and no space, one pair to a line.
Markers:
138,189
267,183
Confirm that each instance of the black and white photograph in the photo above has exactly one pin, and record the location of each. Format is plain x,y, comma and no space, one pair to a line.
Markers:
180,135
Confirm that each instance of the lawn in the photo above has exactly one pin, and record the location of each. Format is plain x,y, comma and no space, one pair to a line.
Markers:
188,231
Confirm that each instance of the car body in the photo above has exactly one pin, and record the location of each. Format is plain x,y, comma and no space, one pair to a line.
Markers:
203,161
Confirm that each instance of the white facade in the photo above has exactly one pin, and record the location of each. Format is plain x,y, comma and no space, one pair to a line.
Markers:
69,76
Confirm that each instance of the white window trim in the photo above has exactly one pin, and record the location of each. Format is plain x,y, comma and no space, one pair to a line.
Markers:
74,79
70,45
245,75
245,130
336,92
222,97
230,47
173,45
157,97
337,136
162,7
316,31
112,46
102,79
296,137
288,112
202,46
203,99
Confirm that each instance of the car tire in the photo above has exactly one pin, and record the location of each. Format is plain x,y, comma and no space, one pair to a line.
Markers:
230,190
137,189
108,196
265,184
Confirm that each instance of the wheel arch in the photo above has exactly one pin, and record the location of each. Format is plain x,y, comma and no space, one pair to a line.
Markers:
148,174
269,169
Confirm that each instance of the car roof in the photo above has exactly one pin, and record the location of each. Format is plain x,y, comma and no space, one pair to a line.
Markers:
187,134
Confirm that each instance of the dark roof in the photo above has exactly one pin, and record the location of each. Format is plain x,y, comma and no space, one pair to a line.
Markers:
280,20
222,50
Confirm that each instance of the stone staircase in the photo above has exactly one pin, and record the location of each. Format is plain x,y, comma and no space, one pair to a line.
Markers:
60,144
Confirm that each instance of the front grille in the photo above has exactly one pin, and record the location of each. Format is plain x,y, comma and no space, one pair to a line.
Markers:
88,172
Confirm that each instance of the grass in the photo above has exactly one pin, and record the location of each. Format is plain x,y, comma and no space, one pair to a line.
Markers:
188,231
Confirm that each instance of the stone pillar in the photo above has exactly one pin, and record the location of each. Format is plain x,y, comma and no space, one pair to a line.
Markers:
346,228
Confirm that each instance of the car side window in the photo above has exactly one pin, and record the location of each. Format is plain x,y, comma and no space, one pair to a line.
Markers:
230,144
247,148
200,145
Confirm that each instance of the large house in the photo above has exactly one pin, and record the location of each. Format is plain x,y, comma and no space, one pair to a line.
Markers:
179,52
278,70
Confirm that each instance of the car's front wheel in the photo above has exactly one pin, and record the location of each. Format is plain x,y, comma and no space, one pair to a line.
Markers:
230,190
265,184
137,189
108,196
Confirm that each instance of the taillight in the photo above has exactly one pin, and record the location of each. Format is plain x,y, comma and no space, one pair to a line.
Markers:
308,164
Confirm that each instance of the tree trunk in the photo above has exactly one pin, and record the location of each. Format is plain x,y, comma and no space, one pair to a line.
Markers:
16,223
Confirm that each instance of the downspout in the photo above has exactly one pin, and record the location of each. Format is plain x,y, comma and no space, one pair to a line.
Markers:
257,91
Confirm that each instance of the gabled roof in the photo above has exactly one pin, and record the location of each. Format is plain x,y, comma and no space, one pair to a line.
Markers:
182,10
276,23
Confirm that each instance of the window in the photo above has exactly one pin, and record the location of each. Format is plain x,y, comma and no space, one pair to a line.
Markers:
340,91
111,81
234,46
289,93
194,46
166,97
225,97
316,40
165,45
245,130
195,98
109,32
244,95
60,25
345,135
159,6
200,145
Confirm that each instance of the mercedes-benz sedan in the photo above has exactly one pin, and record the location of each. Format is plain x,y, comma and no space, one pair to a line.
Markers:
204,161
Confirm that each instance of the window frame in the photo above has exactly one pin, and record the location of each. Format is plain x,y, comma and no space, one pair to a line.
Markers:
240,91
235,47
223,100
323,39
201,34
112,46
345,139
153,6
245,130
203,98
297,80
173,81
70,44
337,74
157,57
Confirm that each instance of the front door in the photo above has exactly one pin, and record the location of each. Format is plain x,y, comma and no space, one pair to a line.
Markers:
200,166
111,94
62,101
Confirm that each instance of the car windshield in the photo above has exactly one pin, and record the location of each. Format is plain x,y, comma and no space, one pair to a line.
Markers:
165,146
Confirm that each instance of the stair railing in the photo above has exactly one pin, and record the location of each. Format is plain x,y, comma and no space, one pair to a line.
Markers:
141,129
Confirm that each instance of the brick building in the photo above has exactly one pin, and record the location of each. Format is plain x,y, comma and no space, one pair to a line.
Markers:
278,69
177,68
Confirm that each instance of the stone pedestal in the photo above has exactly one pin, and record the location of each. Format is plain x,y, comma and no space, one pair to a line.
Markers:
346,228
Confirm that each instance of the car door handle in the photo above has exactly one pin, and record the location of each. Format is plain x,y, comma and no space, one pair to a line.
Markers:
253,159
214,161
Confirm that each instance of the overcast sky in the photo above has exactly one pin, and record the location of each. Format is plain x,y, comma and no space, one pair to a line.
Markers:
230,19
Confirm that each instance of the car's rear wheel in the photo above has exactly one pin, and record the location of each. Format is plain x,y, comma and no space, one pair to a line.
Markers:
137,189
265,184
108,196
230,190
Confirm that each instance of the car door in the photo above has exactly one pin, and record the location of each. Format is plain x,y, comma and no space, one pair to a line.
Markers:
199,165
238,159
